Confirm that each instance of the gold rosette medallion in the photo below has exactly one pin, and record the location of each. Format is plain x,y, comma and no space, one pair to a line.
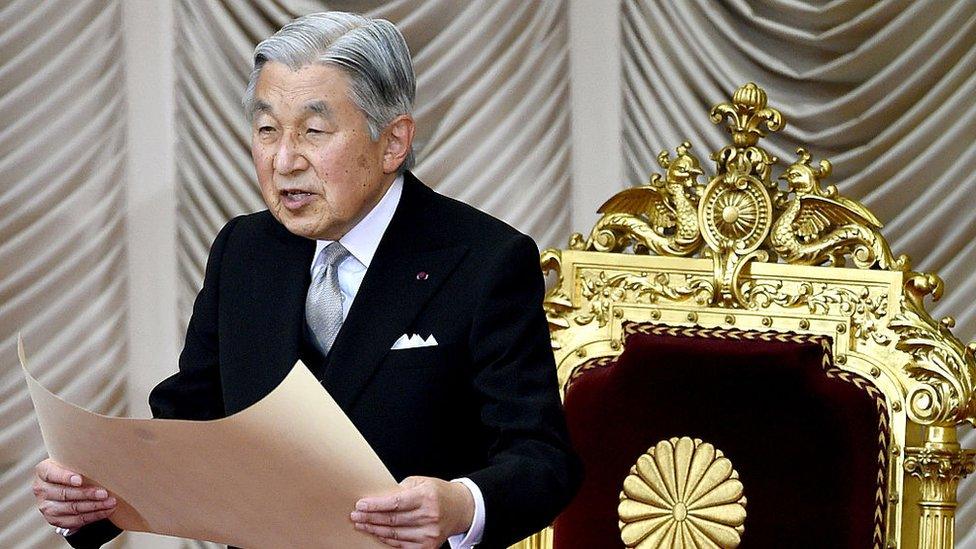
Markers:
682,493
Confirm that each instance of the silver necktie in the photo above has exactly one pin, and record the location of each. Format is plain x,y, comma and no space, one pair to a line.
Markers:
323,305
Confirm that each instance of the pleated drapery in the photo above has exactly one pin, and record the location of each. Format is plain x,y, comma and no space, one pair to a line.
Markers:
886,90
62,245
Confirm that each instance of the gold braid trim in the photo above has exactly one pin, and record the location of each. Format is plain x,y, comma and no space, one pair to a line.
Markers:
631,328
591,364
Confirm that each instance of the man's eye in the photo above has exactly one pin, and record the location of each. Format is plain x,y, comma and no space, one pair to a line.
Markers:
314,131
265,129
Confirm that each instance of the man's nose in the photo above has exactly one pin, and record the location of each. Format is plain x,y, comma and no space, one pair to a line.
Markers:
289,157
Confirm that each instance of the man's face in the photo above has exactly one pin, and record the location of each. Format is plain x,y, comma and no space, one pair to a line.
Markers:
319,170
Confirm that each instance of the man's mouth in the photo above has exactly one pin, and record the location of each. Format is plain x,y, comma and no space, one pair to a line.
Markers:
295,193
295,198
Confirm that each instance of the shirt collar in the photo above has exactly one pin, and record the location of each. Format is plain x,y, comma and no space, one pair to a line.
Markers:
363,239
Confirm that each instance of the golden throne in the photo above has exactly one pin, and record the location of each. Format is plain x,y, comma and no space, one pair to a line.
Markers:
728,380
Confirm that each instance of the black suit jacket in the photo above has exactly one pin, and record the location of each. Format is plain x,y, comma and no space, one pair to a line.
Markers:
482,404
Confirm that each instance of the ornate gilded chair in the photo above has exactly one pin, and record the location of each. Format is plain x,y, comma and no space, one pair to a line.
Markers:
728,381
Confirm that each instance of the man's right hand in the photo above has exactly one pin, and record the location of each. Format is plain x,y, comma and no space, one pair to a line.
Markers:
65,501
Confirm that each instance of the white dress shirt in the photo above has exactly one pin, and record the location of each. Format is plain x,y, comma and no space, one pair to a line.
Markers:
361,241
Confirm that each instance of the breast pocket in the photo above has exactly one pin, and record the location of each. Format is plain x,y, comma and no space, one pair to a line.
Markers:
419,358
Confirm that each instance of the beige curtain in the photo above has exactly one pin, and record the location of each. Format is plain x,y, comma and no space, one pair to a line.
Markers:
884,89
491,110
62,258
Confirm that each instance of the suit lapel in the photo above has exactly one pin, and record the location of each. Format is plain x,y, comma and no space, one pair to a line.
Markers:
400,280
281,315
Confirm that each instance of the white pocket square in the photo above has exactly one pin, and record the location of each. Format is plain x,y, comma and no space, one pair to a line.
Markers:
414,341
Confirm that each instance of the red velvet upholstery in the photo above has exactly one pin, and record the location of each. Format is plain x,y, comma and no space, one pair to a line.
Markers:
806,445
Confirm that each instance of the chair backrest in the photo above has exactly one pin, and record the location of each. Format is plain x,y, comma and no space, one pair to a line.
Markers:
712,320
729,425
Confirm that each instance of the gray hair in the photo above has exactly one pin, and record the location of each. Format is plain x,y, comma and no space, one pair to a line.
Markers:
371,51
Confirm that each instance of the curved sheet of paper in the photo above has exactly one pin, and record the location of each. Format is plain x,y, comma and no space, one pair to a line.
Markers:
285,472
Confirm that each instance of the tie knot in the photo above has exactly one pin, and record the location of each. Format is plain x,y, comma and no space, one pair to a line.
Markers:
332,255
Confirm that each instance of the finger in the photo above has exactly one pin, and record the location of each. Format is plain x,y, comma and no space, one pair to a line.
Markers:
405,544
403,536
417,517
412,482
402,544
57,492
77,521
49,471
68,508
406,500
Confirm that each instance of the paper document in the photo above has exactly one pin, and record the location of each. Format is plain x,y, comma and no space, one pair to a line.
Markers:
285,472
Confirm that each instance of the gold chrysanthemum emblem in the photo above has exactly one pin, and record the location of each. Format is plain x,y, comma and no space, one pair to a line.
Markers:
682,493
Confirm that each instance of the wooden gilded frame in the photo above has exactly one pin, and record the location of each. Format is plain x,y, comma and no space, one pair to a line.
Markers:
739,252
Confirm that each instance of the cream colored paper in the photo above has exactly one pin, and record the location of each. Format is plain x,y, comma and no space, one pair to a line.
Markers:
285,472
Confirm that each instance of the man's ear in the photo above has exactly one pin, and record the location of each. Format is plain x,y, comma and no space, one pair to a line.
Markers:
399,139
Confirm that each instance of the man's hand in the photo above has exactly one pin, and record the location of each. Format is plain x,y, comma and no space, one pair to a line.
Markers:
64,501
421,514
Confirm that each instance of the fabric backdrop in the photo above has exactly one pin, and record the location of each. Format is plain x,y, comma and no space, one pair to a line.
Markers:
884,89
62,241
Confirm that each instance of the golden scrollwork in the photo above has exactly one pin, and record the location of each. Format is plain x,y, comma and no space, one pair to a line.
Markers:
740,249
682,493
602,291
741,215
556,303
866,309
944,370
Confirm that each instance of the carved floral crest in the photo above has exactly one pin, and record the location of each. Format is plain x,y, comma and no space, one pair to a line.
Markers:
742,216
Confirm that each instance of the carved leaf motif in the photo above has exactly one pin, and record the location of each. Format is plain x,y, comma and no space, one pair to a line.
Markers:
866,312
818,298
760,295
941,465
602,291
917,340
940,362
827,298
867,318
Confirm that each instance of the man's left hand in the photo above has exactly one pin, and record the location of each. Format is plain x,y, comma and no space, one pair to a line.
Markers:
422,513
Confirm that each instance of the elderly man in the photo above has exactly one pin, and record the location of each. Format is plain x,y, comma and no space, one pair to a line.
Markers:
353,256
